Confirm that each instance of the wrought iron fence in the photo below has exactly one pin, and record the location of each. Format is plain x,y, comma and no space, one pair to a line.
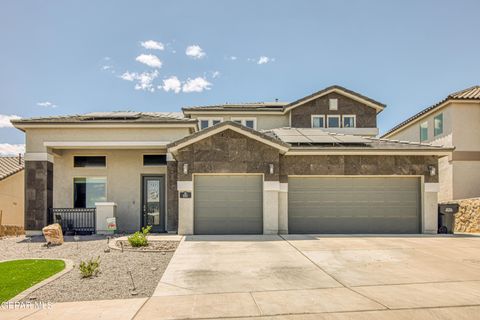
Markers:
74,220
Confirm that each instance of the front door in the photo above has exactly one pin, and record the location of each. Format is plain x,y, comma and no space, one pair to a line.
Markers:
153,202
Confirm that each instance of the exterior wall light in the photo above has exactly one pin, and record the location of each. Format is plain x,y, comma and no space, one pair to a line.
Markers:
432,170
271,168
185,168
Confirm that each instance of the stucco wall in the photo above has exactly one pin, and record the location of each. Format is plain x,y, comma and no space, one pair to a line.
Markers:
124,175
36,137
366,117
12,196
264,121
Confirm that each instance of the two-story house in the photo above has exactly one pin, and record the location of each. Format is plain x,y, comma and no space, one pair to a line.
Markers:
453,122
309,166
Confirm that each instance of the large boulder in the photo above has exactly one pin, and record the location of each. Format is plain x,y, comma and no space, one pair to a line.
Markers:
53,234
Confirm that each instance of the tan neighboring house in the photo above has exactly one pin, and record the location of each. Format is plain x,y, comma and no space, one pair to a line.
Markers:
308,166
454,122
12,191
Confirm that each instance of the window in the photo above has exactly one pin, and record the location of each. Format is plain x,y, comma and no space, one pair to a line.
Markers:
333,104
424,131
349,121
247,122
205,123
87,191
438,124
89,161
154,160
333,121
318,121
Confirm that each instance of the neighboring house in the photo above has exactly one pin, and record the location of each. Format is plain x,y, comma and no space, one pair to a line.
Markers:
12,191
310,166
453,122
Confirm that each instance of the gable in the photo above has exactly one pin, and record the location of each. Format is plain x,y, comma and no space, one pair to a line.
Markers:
366,116
218,129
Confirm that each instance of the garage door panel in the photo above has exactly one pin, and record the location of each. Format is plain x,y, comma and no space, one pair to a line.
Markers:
354,205
228,204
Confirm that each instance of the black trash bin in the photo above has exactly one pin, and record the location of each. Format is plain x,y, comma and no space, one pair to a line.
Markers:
446,217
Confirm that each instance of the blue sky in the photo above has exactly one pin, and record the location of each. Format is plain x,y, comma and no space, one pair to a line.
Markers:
69,57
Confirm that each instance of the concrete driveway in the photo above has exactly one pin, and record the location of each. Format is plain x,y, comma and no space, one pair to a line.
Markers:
302,277
331,277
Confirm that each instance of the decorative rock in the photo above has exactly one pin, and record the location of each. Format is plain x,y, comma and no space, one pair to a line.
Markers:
468,217
53,234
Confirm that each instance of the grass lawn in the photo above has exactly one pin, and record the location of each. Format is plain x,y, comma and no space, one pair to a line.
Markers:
19,275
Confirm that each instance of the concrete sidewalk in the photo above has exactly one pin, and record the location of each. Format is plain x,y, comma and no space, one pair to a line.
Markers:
303,277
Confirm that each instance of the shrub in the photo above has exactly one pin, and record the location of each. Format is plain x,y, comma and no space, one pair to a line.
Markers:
139,238
90,268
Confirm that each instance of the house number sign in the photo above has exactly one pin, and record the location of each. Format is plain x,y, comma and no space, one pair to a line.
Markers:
185,194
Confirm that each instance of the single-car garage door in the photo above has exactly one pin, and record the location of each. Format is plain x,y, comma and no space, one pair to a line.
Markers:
353,205
230,204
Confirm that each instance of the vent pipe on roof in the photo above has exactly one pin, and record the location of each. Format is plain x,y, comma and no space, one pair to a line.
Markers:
19,159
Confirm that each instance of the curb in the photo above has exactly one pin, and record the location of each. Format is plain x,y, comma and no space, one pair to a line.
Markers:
112,244
22,295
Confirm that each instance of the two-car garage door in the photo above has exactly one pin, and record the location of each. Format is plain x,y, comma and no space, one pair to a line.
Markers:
354,205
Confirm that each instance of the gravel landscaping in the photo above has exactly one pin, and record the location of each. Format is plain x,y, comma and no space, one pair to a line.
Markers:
152,246
114,280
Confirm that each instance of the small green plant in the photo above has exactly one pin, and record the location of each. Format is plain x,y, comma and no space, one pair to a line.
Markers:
139,238
90,268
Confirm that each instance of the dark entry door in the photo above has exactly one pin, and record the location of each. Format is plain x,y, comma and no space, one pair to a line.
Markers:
153,206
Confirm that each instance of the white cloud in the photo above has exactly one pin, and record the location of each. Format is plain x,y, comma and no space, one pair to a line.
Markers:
46,104
106,58
128,76
7,149
144,80
150,60
198,84
233,58
264,60
215,74
5,120
152,45
106,67
195,52
171,84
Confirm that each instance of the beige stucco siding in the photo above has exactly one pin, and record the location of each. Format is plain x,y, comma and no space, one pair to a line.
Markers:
264,121
12,199
36,137
123,172
461,129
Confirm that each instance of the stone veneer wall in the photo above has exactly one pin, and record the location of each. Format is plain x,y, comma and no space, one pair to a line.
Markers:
228,152
366,117
357,165
172,196
468,217
38,193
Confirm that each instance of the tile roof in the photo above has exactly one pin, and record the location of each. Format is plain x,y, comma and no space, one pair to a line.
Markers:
112,117
208,130
10,165
277,106
338,88
472,93
321,139
246,106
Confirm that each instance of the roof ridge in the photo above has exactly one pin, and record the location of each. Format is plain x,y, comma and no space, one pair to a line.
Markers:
453,94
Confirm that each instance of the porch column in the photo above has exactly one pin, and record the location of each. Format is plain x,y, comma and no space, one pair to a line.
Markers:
430,207
38,191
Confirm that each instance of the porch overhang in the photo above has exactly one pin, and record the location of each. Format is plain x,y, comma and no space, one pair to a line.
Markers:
106,144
